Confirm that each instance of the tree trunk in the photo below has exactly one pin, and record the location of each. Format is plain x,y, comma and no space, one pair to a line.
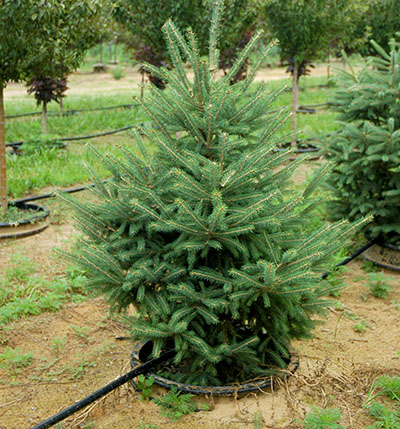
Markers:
101,52
295,101
328,69
61,104
3,166
44,118
115,52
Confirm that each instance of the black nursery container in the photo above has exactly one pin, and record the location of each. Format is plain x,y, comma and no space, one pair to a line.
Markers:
25,228
142,351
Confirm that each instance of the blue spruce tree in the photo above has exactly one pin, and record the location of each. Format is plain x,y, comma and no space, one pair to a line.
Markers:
204,236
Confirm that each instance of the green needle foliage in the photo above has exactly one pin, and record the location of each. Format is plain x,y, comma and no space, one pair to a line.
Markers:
205,238
366,155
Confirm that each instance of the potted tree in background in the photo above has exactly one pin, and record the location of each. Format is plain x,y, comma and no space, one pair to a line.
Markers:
36,36
205,237
365,177
20,30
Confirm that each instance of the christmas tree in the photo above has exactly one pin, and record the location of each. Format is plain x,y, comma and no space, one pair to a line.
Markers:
365,156
205,236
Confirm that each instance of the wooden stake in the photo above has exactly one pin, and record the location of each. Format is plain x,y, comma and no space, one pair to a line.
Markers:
44,118
295,101
3,166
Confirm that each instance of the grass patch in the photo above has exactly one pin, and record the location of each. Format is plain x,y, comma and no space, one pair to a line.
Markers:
60,168
13,360
23,292
384,406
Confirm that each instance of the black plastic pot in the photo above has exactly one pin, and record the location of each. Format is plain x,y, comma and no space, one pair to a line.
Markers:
142,351
383,254
27,227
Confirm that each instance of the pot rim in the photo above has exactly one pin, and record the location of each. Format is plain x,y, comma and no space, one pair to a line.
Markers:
227,390
26,206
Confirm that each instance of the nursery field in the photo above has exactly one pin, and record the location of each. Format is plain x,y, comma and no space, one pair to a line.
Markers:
58,344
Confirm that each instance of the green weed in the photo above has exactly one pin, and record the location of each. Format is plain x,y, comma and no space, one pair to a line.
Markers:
143,425
144,385
175,404
350,315
24,293
361,327
19,269
389,386
369,267
257,420
378,285
323,419
81,331
385,417
386,414
58,344
13,360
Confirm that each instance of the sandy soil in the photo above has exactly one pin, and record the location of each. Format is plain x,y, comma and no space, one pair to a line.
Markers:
93,82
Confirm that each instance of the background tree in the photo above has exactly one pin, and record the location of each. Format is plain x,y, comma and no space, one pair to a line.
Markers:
76,27
365,156
383,21
145,18
21,24
303,30
347,28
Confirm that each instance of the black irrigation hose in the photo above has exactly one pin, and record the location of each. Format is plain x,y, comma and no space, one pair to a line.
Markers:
72,111
52,194
104,390
353,255
90,136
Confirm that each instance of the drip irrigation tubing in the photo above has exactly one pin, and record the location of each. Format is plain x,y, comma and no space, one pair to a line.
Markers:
71,111
310,139
141,369
303,108
127,106
52,194
90,136
128,127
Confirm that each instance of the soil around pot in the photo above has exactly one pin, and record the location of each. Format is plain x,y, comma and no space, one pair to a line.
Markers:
384,255
142,351
29,226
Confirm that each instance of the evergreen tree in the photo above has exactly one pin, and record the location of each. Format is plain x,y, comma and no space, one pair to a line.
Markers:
366,176
205,237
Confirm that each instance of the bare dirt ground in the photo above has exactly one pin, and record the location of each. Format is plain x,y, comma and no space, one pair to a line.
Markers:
92,82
